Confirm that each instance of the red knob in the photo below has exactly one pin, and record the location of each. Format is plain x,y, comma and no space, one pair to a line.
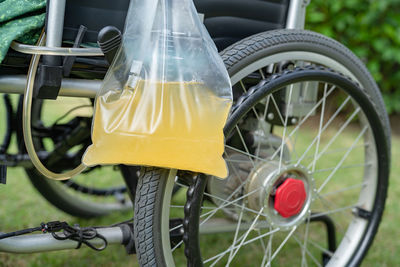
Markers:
290,197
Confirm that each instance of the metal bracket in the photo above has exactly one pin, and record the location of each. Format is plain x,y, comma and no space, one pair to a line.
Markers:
362,213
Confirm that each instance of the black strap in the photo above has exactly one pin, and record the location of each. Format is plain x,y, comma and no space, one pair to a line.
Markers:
82,236
21,232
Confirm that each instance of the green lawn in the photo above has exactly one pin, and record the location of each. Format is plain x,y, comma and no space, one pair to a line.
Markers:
21,206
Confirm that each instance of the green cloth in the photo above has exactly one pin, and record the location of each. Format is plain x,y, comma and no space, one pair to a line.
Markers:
20,20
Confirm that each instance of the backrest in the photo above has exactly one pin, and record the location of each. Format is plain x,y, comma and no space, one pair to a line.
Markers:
226,20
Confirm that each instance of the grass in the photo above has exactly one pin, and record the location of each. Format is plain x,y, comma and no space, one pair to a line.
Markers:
22,206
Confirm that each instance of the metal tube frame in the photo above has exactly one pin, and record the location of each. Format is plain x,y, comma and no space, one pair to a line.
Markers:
46,242
296,14
15,84
55,23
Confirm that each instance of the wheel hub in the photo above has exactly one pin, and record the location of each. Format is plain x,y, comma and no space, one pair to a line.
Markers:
290,197
240,167
283,193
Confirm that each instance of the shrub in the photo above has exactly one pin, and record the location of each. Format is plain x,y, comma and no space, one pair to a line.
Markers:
371,29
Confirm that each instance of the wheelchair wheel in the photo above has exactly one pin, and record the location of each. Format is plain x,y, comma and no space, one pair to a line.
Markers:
66,124
322,161
248,62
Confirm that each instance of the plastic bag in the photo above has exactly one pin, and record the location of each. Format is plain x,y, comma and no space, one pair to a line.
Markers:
166,97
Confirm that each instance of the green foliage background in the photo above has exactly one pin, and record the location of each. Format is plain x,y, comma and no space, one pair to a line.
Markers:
371,29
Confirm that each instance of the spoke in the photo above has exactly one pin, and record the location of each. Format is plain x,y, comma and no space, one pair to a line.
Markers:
243,86
262,74
226,200
245,236
277,109
177,245
244,153
285,127
182,206
236,161
235,170
244,144
332,151
343,159
337,150
316,215
213,210
329,205
245,243
304,247
338,132
320,128
266,108
344,167
265,134
344,189
323,130
268,251
221,255
307,252
176,227
261,240
281,246
236,233
329,253
304,119
294,146
181,185
229,203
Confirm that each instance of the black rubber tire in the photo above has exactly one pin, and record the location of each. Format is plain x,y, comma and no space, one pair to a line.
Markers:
63,201
265,44
148,204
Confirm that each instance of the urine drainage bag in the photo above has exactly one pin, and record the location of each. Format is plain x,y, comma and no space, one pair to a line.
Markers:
166,97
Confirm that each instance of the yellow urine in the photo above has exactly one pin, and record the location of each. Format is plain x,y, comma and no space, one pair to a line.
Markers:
172,125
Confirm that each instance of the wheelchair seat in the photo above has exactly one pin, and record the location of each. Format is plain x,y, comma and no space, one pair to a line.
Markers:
226,20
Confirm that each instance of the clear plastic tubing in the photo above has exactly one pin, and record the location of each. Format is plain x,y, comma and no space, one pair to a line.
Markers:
26,125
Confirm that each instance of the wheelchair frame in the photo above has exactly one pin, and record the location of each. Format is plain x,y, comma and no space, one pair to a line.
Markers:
17,84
